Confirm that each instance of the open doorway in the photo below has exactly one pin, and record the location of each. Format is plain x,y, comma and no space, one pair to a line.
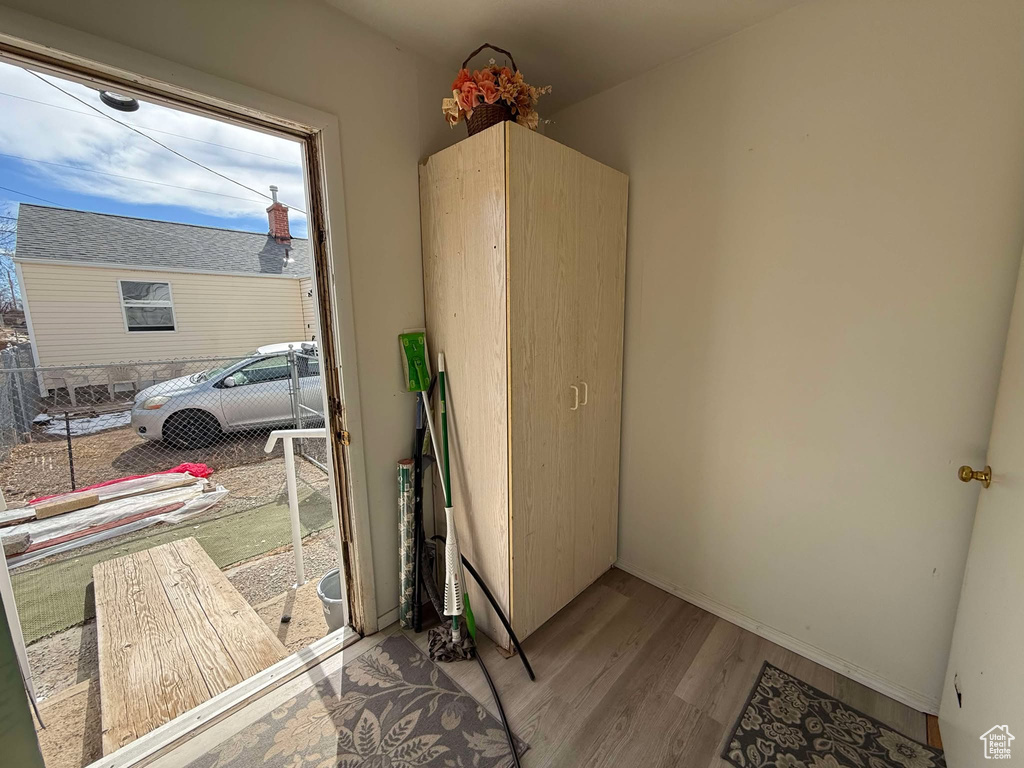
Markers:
174,449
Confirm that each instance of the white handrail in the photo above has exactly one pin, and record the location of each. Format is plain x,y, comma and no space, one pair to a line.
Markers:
288,435
293,433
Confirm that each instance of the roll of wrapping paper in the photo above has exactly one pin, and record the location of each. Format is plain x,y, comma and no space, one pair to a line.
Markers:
406,542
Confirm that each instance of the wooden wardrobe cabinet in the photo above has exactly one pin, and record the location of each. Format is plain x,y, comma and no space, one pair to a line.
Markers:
524,246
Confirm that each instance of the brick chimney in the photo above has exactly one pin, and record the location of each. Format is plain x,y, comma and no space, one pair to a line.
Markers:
278,216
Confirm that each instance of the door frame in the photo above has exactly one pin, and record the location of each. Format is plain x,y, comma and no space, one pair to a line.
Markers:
47,47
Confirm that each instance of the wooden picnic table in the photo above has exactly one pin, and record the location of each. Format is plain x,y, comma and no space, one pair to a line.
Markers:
172,633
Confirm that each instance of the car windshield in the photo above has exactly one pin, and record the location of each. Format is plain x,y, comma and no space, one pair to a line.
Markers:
210,373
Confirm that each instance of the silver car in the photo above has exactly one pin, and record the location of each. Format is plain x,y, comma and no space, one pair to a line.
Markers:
192,411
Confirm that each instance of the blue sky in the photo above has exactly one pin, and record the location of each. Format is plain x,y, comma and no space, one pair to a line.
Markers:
57,149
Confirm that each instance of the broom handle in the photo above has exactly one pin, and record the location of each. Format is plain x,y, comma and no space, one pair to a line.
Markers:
446,481
446,474
433,441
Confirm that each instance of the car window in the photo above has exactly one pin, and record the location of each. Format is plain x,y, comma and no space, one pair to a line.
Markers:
212,373
261,371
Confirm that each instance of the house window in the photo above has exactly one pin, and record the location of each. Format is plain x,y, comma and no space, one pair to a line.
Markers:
147,306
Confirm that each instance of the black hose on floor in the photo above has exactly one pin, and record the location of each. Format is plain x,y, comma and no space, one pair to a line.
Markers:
501,710
494,605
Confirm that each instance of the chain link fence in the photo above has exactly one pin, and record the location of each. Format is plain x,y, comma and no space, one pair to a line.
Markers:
64,428
17,396
72,427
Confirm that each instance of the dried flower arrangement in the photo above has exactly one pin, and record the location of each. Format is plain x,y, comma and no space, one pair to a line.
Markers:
492,95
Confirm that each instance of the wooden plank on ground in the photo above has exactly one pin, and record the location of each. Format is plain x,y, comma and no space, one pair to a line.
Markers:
148,673
173,633
184,590
70,502
153,484
247,639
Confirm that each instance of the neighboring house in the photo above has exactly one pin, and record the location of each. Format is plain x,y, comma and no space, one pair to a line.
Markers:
101,289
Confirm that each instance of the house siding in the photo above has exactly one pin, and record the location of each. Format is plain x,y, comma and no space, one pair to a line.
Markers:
77,318
308,308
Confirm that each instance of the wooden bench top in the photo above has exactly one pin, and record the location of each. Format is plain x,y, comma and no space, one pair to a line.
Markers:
172,633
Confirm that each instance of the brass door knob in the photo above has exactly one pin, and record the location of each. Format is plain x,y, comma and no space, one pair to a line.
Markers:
967,474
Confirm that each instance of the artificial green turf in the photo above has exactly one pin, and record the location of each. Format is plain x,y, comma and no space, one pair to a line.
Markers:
52,598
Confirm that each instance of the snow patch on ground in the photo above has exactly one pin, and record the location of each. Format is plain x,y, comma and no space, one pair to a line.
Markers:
90,425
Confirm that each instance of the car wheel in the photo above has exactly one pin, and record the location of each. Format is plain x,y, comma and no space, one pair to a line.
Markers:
191,429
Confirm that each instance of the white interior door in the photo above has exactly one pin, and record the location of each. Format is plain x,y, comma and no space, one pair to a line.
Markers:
986,662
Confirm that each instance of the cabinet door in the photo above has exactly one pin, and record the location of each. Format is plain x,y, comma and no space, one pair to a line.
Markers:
543,262
553,240
601,278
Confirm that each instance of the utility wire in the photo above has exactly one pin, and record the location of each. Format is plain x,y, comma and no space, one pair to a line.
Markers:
26,194
155,141
127,220
146,127
128,178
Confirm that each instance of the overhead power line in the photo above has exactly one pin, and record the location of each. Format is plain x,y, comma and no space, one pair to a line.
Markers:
155,141
26,194
127,219
146,127
128,178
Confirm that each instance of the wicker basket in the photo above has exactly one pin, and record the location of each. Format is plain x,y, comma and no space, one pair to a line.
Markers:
487,115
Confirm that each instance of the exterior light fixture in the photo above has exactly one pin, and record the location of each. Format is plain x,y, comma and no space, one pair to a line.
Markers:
119,102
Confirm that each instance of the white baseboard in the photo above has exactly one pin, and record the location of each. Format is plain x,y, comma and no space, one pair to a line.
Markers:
911,698
386,620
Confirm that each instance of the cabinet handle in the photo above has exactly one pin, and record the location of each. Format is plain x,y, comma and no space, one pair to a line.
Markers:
586,393
576,391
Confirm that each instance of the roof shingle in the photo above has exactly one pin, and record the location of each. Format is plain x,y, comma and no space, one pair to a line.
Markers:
63,234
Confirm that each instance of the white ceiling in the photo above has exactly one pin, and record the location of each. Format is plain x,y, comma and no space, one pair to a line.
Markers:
580,47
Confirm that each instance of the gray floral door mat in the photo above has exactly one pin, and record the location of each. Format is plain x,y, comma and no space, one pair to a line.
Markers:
787,723
390,707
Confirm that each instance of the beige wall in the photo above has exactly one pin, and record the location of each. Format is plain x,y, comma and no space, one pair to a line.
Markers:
309,319
77,317
312,54
826,218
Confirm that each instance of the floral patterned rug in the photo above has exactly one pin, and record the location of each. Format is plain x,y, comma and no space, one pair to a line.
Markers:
390,707
786,723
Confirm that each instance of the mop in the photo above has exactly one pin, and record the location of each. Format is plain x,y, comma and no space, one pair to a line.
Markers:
417,372
456,602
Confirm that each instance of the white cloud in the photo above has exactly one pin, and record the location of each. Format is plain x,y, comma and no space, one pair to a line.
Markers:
91,142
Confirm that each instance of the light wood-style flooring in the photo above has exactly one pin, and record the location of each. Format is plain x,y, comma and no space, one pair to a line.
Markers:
630,675
627,675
